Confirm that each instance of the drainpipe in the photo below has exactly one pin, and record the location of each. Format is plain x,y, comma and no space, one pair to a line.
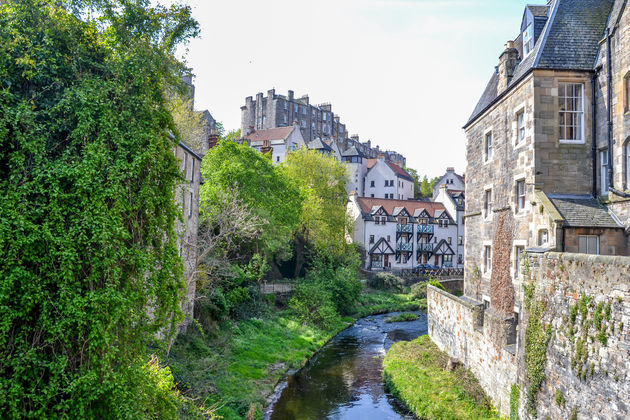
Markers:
609,116
594,148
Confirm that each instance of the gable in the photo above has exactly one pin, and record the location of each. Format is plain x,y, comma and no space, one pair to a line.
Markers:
382,247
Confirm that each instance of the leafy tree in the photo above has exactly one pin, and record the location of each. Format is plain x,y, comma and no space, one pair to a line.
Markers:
189,123
323,222
258,184
89,267
416,186
426,186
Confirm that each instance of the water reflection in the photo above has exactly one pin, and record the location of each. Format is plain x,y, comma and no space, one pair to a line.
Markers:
343,381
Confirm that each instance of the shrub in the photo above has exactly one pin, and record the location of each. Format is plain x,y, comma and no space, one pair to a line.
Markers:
313,304
419,290
387,281
404,317
436,283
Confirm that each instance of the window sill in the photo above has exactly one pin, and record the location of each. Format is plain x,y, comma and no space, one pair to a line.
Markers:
520,145
485,162
577,142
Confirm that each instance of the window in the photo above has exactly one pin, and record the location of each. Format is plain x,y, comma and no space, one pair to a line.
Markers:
277,158
518,253
543,237
460,259
386,183
402,220
285,105
487,255
192,170
185,165
603,162
488,147
627,159
520,127
626,89
460,240
304,111
190,204
588,244
388,238
488,203
372,195
528,39
450,240
520,195
284,119
571,102
372,185
371,239
448,260
296,109
324,116
423,221
303,124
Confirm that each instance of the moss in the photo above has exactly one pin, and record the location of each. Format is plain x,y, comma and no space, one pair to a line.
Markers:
607,311
602,337
573,414
404,317
573,311
559,398
515,395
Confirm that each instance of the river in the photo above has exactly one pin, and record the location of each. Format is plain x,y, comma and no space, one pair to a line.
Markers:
344,379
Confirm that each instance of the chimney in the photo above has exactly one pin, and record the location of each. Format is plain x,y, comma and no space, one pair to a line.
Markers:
250,130
305,98
213,139
507,64
271,93
450,169
381,156
290,95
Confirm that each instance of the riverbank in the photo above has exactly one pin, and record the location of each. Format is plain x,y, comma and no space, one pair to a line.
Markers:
414,373
238,367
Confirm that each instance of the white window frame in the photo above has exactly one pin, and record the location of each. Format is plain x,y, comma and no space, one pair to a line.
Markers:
487,203
626,90
520,127
487,259
488,146
519,248
543,234
627,160
192,170
564,102
528,39
190,204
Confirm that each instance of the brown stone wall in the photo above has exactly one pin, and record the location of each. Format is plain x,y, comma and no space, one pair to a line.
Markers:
611,241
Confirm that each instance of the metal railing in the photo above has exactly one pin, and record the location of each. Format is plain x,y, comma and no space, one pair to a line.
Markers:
425,229
425,247
405,247
408,228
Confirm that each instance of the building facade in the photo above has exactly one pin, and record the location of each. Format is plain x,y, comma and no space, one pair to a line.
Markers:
276,141
385,179
402,234
451,180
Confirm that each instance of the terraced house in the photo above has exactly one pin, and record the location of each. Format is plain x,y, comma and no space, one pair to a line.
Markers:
402,234
547,219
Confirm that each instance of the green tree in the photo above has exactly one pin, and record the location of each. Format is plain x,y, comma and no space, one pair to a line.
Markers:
89,267
426,186
323,222
416,185
256,182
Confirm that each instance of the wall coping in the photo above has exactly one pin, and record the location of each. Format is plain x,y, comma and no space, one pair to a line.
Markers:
617,260
467,303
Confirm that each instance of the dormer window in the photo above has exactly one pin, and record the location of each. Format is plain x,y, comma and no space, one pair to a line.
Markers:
528,39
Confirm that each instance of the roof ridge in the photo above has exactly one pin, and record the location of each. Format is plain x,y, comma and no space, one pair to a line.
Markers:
546,31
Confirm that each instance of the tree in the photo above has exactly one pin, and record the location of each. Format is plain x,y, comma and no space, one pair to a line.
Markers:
188,122
257,183
322,183
89,267
426,186
416,186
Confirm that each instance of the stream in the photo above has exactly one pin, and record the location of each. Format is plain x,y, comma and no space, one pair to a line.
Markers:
344,379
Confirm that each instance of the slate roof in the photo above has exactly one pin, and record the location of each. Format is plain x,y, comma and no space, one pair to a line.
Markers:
318,144
367,204
400,172
582,211
569,41
537,11
352,151
280,133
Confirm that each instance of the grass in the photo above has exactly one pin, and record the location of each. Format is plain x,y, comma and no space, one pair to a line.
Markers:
239,365
414,373
404,317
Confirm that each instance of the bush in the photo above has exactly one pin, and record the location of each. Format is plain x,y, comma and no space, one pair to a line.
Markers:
313,304
419,290
387,281
436,283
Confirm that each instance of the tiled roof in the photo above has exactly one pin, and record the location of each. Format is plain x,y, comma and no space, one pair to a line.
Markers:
280,133
569,41
582,211
368,203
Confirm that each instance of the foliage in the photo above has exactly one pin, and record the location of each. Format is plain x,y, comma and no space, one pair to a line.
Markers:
385,302
436,284
89,269
414,372
537,336
314,305
404,317
559,398
419,290
515,396
322,183
258,184
387,281
426,187
189,123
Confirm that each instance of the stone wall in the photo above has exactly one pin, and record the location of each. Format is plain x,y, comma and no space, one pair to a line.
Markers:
586,301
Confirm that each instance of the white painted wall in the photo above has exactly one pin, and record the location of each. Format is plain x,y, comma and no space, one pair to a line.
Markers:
401,189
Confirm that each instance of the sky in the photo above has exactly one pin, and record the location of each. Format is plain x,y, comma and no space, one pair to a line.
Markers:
405,74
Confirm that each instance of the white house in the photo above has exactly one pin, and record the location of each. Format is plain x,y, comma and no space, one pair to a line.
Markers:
357,168
385,179
452,181
454,202
401,234
279,141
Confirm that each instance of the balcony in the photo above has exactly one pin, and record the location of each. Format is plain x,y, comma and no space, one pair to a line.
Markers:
425,229
377,264
404,247
448,264
408,228
425,247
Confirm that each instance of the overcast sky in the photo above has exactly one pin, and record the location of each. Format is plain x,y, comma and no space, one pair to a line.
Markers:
404,73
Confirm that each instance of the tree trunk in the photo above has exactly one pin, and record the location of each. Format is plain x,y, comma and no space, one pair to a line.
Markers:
300,258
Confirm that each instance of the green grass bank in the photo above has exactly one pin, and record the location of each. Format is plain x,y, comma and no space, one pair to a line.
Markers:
414,372
237,368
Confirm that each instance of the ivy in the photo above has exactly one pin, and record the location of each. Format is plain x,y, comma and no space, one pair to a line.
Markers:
89,267
515,395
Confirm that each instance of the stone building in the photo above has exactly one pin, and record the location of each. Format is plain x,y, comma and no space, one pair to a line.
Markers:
452,181
274,110
401,234
187,196
547,208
